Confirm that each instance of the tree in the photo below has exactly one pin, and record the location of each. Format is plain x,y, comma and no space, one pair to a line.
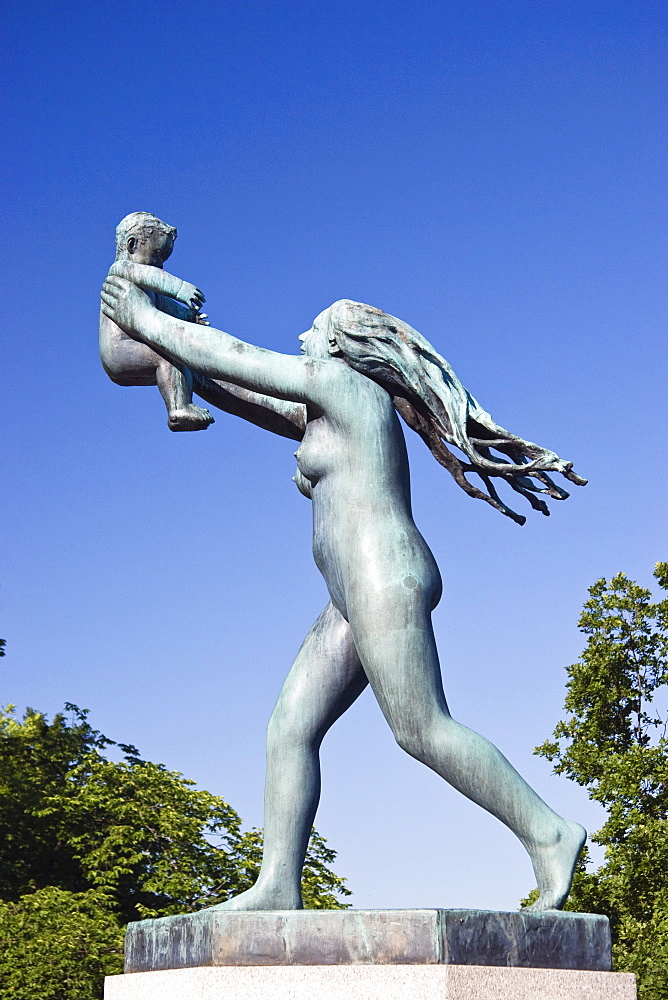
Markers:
614,743
88,844
58,945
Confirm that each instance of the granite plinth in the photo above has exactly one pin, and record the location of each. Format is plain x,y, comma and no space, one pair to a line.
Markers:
371,982
551,940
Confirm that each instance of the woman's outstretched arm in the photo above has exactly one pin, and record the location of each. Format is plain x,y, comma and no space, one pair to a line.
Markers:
280,416
216,354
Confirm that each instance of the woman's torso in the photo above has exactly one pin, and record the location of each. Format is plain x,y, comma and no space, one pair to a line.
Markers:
353,461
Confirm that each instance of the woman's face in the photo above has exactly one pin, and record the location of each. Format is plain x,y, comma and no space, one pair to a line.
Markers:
315,342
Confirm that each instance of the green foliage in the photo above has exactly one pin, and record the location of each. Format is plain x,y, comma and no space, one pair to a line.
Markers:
57,945
614,744
88,844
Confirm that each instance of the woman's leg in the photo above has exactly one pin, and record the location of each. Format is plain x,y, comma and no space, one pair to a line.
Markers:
398,652
324,681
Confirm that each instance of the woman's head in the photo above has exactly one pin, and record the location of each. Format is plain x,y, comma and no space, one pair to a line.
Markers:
315,342
433,401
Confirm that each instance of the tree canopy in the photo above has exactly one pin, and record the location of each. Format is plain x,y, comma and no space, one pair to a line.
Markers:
614,743
88,843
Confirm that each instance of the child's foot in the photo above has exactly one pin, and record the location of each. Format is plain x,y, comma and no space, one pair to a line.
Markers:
554,866
189,418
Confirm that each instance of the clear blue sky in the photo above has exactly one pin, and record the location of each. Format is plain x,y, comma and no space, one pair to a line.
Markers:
492,173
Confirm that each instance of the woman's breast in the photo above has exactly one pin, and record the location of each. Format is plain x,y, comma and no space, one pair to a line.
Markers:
316,454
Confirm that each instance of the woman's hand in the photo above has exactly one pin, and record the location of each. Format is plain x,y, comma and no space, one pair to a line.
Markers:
126,304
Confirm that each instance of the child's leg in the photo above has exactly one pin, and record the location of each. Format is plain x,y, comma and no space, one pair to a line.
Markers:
176,388
129,362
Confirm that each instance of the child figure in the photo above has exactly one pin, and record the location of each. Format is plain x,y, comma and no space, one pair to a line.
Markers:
143,244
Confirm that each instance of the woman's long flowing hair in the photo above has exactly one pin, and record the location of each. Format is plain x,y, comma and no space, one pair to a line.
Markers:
433,401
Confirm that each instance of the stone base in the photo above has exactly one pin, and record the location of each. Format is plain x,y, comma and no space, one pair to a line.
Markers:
550,940
371,982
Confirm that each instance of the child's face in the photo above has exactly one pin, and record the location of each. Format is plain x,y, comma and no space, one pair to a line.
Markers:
155,247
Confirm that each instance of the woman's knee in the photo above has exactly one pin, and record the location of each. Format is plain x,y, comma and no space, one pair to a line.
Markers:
419,736
289,726
409,736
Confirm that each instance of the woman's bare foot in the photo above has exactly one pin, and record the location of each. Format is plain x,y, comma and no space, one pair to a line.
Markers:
554,866
257,898
189,418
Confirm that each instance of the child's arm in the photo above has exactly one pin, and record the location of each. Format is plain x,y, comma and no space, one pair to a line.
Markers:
157,280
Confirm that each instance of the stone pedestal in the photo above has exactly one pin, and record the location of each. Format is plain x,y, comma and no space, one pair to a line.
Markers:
371,982
370,937
370,955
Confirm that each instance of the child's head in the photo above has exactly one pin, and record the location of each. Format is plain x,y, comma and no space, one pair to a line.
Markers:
144,238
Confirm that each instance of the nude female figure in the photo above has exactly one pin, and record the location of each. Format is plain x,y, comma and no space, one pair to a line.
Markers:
359,366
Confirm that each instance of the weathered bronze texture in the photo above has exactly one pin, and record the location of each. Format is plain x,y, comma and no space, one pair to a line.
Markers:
359,368
370,937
